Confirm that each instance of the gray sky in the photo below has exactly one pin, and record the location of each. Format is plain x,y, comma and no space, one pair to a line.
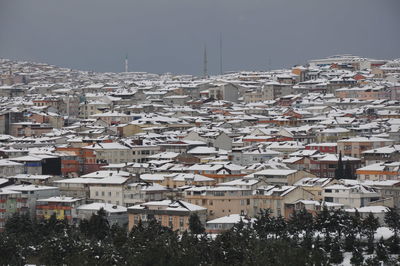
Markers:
169,35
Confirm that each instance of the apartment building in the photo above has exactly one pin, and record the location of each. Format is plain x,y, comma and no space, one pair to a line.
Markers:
351,196
221,172
379,171
10,168
31,193
221,200
281,176
315,186
333,134
250,157
173,214
63,207
187,179
108,190
140,192
112,152
383,154
355,147
325,165
10,202
275,197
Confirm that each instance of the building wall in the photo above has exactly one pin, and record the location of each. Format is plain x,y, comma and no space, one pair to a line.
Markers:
113,194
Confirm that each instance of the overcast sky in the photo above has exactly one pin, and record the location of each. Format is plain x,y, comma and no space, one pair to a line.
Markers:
169,35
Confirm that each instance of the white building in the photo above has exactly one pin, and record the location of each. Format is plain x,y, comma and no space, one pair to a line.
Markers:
10,168
351,196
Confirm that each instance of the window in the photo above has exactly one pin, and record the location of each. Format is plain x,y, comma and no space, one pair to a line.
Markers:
97,193
328,199
109,193
181,221
102,193
170,222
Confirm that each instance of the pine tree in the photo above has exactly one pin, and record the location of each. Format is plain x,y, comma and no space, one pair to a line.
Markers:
356,223
318,254
195,225
336,252
369,226
394,244
357,258
327,242
323,221
348,172
349,241
340,222
119,235
301,222
264,224
98,227
392,219
381,252
371,261
339,172
280,227
152,244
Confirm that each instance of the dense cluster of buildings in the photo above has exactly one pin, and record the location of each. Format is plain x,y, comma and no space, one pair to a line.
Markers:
145,146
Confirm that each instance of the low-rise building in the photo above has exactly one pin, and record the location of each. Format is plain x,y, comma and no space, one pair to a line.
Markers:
115,214
225,223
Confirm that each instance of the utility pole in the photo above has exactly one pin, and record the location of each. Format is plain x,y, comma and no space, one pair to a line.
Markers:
205,71
126,63
220,53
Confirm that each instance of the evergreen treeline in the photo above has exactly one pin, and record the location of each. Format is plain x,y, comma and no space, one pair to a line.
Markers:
301,240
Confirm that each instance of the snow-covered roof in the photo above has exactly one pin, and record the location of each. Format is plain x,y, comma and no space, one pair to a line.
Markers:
232,219
110,208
